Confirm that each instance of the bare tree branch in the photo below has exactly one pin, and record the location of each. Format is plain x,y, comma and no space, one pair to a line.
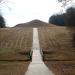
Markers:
64,2
6,4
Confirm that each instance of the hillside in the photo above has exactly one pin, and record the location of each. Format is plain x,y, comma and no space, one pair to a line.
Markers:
14,43
57,49
34,23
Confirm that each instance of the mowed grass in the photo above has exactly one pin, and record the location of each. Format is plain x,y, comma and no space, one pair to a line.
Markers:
15,48
56,43
15,43
57,48
61,67
13,68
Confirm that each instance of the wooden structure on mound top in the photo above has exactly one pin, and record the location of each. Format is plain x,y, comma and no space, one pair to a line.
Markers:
34,23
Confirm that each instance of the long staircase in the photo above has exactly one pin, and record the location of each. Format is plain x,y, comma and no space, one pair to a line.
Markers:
37,66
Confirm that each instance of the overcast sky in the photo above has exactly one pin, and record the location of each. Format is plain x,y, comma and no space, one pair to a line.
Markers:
22,11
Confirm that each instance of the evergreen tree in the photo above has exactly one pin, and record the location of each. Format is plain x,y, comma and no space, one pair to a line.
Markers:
2,22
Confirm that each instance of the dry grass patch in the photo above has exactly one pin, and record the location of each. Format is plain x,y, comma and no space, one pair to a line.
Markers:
15,43
56,43
57,49
13,68
61,67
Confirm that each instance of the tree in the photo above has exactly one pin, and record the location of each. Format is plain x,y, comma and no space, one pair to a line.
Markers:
2,22
65,19
64,2
57,20
70,22
52,19
5,3
70,16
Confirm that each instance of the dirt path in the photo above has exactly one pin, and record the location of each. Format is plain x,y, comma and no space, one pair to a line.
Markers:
37,66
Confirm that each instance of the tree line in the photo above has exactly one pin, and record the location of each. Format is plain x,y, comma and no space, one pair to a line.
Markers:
65,19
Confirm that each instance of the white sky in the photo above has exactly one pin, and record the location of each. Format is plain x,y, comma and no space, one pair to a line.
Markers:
26,10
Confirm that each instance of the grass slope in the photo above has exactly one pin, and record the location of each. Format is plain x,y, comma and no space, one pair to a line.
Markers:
14,42
58,51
